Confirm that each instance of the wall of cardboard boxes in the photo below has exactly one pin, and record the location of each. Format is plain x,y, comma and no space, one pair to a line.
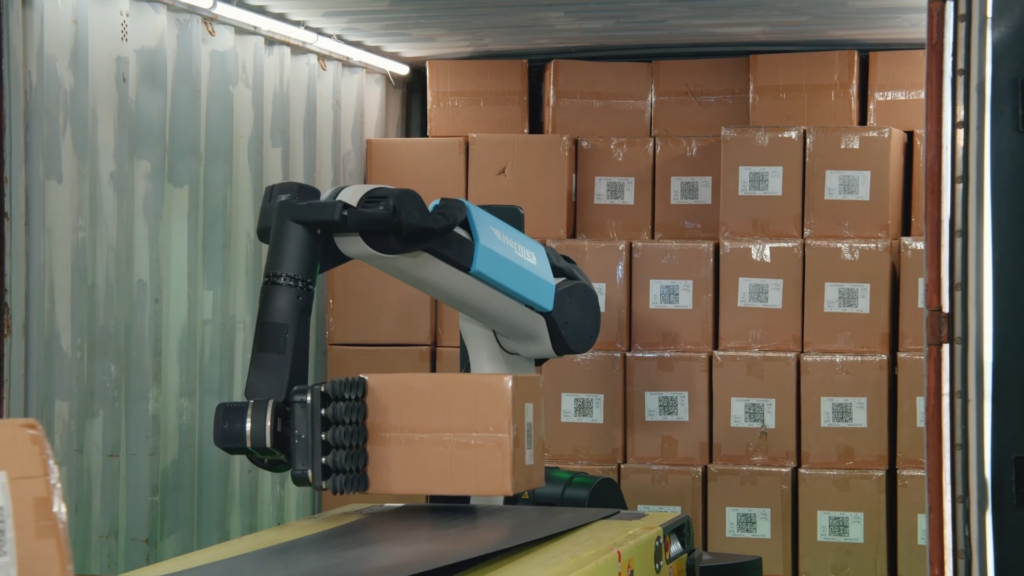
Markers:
753,227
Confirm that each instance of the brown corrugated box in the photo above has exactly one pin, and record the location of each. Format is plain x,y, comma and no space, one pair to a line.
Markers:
32,509
442,434
606,263
843,527
673,296
698,97
606,470
447,326
917,187
911,294
910,410
477,97
761,295
755,416
750,511
583,408
668,406
854,182
597,98
845,411
355,360
911,523
674,489
615,188
447,361
762,182
805,89
848,295
896,89
687,177
330,501
434,167
534,172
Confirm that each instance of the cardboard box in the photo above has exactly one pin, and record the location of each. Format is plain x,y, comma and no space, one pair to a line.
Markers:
845,411
32,508
668,407
762,190
583,408
355,360
917,187
843,528
848,295
597,98
805,89
687,178
911,294
443,434
750,511
434,167
754,402
447,320
535,172
674,489
896,83
477,97
698,97
615,188
910,410
911,523
673,296
761,295
606,470
330,501
854,183
447,361
607,264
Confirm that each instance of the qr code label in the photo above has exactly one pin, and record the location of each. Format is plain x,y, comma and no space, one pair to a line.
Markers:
847,185
583,408
920,411
844,412
599,287
920,292
529,433
846,298
649,508
609,190
752,413
760,293
667,406
760,181
672,294
922,529
8,560
691,190
748,523
847,527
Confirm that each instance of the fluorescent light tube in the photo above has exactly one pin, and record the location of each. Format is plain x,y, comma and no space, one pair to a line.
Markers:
264,23
363,56
201,4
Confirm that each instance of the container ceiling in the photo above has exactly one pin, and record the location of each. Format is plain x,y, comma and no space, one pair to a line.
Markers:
415,30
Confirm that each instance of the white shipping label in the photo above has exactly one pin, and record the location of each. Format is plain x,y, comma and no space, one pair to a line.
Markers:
671,509
748,523
845,527
760,293
609,190
847,185
585,408
673,294
922,529
760,180
529,433
8,559
752,413
920,292
600,289
667,406
920,411
847,298
844,412
691,190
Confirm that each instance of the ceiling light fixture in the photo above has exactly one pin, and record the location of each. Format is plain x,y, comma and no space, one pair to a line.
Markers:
262,22
353,53
201,4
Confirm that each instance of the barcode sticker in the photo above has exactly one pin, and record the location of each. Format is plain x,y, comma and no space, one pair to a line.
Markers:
8,559
760,293
529,433
608,190
847,298
844,412
845,527
691,190
760,180
648,508
667,406
920,292
673,294
847,185
752,413
585,408
748,523
599,287
922,529
920,411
